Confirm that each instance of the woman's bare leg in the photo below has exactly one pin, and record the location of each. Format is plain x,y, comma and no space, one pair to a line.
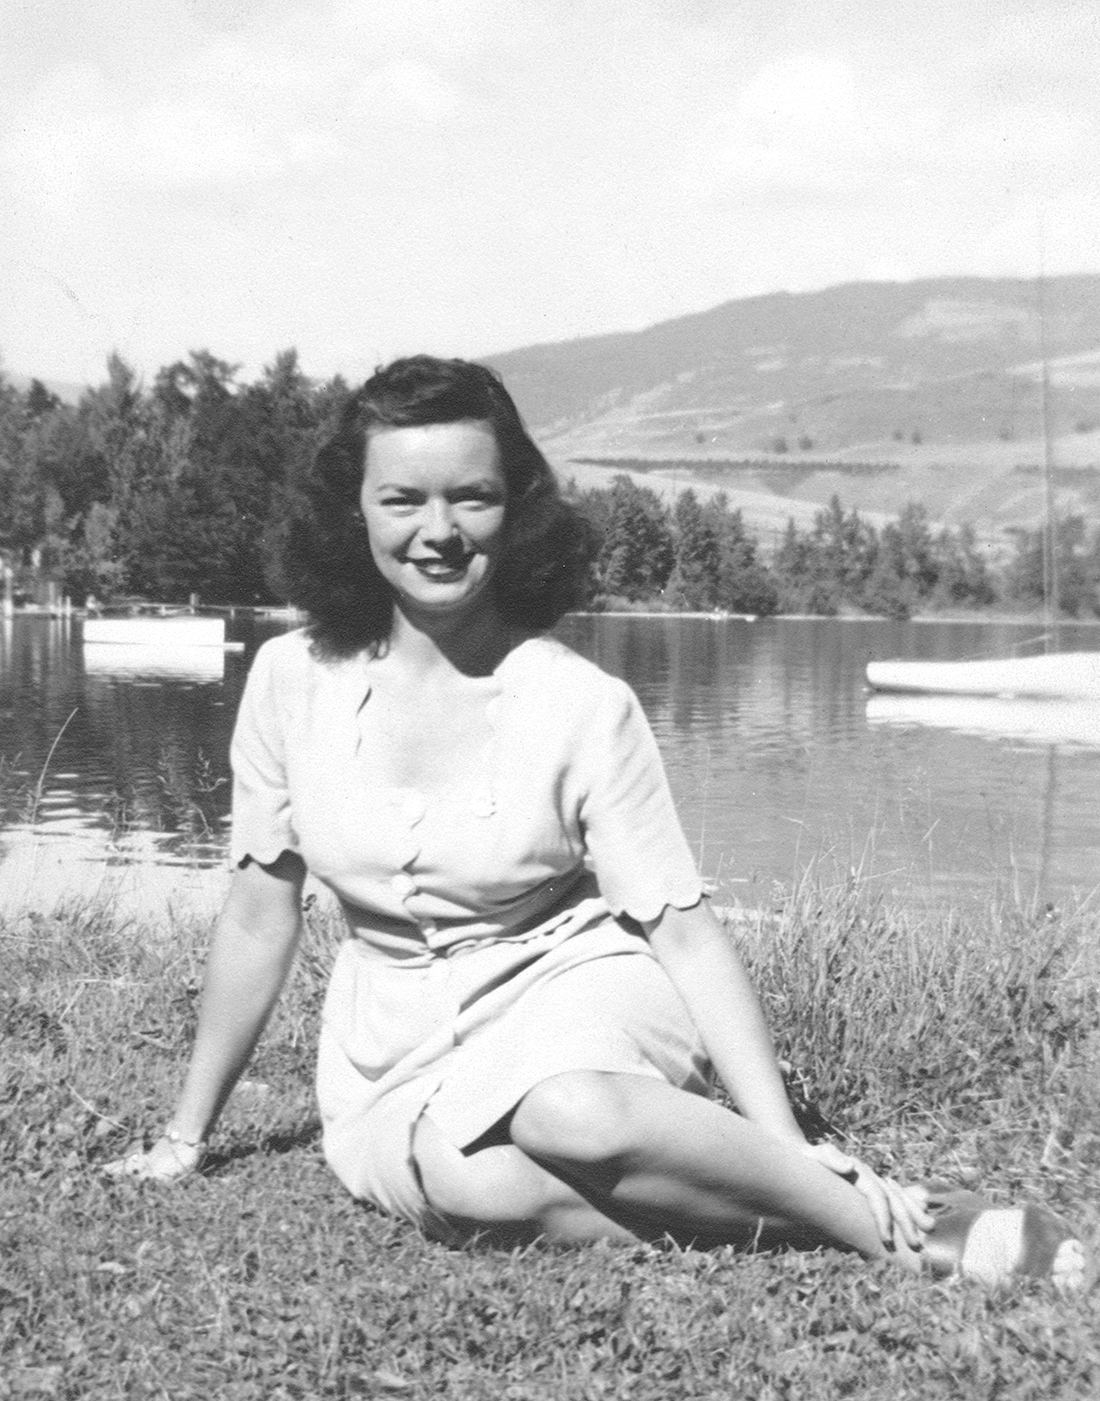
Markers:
502,1194
641,1146
638,1157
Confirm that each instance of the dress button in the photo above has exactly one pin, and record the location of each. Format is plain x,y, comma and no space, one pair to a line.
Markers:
403,884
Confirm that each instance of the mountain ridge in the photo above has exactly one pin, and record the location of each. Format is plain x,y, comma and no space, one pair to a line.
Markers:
939,381
779,399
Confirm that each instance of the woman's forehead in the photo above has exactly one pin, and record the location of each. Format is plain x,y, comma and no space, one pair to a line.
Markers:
466,448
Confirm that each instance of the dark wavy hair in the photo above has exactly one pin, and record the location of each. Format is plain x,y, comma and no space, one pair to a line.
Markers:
327,568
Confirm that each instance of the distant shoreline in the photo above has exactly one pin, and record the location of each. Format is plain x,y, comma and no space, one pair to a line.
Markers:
277,613
1015,619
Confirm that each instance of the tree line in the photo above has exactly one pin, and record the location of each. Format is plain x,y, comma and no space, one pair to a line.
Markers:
176,489
698,554
184,488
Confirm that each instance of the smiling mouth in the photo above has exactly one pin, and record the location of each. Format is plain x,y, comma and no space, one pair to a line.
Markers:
434,568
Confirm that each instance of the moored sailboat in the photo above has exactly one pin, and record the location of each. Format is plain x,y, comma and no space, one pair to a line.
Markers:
1068,675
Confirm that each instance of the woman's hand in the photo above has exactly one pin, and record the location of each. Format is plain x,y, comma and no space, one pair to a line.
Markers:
896,1211
168,1160
253,946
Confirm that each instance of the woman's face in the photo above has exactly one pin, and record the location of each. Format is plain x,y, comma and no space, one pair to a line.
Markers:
433,498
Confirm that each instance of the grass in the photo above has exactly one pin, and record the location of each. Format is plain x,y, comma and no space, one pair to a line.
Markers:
931,1049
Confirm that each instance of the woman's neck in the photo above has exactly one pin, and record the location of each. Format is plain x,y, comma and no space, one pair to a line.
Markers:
471,643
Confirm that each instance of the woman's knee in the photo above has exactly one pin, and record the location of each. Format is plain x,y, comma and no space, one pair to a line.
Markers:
580,1116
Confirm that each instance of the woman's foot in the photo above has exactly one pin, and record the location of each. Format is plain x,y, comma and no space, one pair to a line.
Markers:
974,1240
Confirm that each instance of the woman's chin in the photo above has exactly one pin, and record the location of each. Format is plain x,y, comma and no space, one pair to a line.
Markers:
443,592
445,601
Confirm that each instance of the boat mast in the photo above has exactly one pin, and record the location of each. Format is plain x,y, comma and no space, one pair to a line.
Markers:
1051,606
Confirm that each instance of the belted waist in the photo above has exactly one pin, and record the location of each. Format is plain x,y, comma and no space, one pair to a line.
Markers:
401,943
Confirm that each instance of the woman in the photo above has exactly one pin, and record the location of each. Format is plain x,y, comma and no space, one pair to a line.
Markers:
520,1026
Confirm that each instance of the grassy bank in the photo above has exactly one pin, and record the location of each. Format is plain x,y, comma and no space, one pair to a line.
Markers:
935,1049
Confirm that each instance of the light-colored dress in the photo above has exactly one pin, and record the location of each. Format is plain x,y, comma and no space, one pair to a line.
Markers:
486,950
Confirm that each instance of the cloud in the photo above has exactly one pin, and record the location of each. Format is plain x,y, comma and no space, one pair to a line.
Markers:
162,146
802,125
809,127
803,98
1057,234
1013,134
401,91
326,172
1045,41
244,106
77,129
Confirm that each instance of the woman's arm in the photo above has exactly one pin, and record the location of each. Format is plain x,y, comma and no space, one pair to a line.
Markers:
705,968
253,947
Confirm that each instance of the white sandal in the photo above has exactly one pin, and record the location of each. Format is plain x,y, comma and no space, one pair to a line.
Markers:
974,1240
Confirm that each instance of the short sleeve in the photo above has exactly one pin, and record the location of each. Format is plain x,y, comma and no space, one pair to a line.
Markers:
262,825
632,834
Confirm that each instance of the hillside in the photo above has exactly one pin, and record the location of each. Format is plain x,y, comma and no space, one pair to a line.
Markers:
882,392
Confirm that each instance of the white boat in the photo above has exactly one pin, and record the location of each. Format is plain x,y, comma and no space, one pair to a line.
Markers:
148,630
1072,723
1071,675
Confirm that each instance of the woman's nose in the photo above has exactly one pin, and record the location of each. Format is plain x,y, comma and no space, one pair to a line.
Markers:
439,522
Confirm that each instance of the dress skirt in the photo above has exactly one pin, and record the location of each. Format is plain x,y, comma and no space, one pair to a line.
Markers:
481,1028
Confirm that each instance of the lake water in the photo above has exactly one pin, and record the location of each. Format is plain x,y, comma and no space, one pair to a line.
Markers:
114,775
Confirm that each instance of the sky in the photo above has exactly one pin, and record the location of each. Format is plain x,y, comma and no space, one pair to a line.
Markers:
360,179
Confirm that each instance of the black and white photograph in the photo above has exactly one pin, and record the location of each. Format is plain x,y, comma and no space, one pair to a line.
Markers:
549,700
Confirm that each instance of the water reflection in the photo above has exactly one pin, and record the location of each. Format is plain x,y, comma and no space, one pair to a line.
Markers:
1060,727
149,664
1065,723
775,755
107,764
776,760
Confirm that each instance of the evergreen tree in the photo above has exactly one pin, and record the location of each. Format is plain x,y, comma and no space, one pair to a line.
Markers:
694,581
1077,593
905,571
887,590
90,564
637,554
843,554
284,418
40,401
1075,565
913,551
1092,569
44,493
117,433
1024,573
745,585
964,578
22,498
208,482
792,569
